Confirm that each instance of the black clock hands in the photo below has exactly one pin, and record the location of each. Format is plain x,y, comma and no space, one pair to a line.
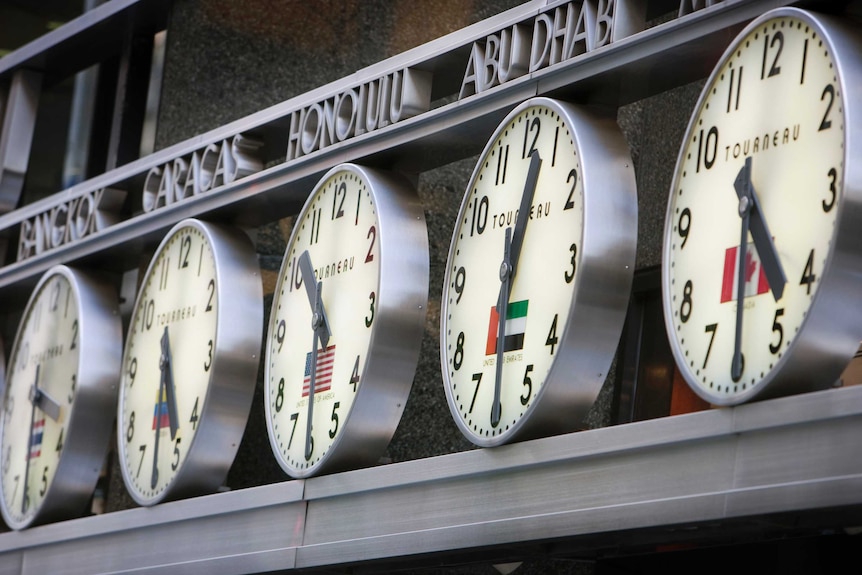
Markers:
511,253
166,389
320,326
752,220
41,399
34,392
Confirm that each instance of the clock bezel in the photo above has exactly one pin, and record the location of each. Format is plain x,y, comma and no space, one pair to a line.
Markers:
393,350
233,375
601,288
829,334
91,416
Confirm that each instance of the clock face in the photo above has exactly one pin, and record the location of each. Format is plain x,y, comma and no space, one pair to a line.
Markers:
338,229
771,119
496,370
40,391
168,363
347,321
60,387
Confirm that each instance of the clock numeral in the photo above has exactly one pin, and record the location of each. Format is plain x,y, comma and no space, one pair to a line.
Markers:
59,447
354,377
211,289
44,488
808,276
71,396
459,282
163,273
502,164
768,45
711,329
554,152
74,342
369,319
294,417
358,204
829,91
534,123
708,150
733,90
133,370
24,355
570,276
130,430
372,234
833,176
66,308
194,417
804,58
279,334
340,192
209,362
310,453
334,431
552,339
528,383
55,296
176,462
185,250
686,305
315,226
149,313
143,450
777,328
37,318
480,216
570,201
458,358
279,396
200,260
16,479
477,377
684,225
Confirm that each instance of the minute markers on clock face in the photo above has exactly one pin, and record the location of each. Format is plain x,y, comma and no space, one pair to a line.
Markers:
774,102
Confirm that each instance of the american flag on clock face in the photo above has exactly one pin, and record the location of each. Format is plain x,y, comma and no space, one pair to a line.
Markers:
323,376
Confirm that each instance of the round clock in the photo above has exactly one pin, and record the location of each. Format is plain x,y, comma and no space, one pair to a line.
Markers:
539,274
190,363
346,323
61,388
762,235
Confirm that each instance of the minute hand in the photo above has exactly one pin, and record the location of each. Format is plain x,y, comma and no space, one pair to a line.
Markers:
760,232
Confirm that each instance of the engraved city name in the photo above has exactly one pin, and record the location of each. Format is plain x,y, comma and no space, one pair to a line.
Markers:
562,32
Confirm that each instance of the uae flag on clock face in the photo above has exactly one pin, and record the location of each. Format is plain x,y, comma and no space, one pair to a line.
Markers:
516,325
755,277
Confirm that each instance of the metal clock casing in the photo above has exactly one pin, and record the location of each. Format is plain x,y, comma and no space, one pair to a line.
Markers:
572,277
777,117
60,393
363,232
190,362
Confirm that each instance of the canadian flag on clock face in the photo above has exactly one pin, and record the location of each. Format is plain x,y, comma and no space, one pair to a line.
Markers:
755,277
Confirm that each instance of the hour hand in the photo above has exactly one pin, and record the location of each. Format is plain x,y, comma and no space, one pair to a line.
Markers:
45,402
167,365
749,201
319,319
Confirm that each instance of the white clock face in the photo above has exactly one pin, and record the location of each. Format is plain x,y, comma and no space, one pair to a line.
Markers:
40,391
338,228
776,99
543,285
168,363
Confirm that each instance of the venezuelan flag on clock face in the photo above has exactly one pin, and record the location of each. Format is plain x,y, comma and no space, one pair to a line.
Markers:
516,325
160,413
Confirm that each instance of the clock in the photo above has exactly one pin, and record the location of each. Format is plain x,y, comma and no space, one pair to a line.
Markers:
538,274
346,323
762,236
61,389
190,363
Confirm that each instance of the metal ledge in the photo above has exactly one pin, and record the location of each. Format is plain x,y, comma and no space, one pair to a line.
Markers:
772,465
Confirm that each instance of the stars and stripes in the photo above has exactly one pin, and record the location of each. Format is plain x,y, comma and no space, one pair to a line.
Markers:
323,375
